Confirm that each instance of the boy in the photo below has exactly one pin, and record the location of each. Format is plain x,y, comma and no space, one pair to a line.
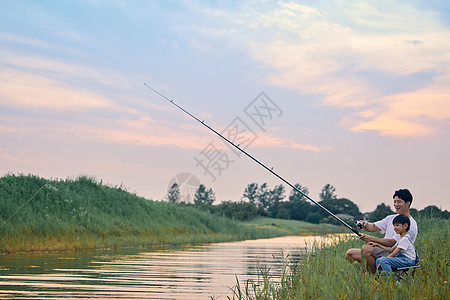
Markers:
403,253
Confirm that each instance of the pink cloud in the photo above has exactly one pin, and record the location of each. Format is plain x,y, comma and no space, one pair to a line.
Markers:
408,115
267,140
307,50
21,89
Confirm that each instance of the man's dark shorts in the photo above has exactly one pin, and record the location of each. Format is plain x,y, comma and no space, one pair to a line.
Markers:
379,252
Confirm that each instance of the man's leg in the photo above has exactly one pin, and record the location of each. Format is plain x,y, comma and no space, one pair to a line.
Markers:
353,255
370,260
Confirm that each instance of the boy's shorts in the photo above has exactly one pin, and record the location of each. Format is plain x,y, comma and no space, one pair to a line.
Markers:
379,252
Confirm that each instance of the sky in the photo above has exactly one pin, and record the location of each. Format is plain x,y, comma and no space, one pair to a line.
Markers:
351,93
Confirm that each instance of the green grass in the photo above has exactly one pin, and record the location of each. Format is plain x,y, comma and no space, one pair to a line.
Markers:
85,214
37,214
324,272
293,227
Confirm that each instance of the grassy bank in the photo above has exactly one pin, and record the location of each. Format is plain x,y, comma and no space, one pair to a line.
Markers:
324,273
85,214
37,214
294,227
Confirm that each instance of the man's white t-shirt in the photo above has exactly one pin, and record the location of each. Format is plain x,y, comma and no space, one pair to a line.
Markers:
387,228
406,247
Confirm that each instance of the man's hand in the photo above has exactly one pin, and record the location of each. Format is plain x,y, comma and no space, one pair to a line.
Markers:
370,227
366,238
374,244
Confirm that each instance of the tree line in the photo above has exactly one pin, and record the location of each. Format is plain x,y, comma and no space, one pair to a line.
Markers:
261,200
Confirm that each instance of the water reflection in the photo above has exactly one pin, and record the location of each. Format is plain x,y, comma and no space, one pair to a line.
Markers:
196,272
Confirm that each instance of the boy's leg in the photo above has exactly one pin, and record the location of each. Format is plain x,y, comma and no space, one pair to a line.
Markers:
377,263
387,263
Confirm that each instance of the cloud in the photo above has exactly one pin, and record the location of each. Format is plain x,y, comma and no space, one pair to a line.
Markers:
32,77
20,89
334,51
268,140
409,114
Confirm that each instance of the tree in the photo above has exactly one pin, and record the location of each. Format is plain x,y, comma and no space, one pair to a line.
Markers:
263,196
283,211
251,192
242,211
173,194
380,212
296,196
204,196
313,217
275,196
328,192
341,206
298,206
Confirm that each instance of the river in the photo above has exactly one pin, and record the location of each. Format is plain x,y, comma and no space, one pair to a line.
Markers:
196,272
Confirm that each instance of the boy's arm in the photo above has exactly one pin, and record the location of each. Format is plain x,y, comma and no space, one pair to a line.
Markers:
395,252
389,249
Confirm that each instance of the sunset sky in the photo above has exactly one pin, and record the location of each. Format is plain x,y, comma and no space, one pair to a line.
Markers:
351,93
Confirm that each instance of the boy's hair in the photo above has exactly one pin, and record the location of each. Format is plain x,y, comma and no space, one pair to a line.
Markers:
405,195
402,219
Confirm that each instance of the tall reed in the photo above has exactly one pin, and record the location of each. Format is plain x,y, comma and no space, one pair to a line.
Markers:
324,272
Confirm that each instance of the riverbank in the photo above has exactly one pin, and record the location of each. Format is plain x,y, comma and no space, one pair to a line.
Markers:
39,215
324,273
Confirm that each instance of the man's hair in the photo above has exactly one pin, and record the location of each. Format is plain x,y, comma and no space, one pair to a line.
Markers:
402,219
405,195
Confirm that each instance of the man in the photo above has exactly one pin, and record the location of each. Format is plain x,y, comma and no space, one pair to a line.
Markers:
402,203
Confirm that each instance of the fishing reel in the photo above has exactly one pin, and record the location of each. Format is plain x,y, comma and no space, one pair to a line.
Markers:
359,225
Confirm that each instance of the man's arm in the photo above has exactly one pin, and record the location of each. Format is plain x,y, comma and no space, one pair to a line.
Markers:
370,227
385,242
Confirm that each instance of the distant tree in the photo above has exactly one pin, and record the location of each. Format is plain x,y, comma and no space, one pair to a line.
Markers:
251,192
263,196
313,217
295,195
328,192
298,206
341,206
275,197
204,196
283,211
380,212
173,194
242,211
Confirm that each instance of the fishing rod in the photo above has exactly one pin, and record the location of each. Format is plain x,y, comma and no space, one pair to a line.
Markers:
6,221
356,231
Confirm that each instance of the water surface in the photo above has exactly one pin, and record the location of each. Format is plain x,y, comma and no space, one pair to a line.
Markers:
196,272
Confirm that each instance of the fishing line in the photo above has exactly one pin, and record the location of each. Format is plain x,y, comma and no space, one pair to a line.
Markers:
254,159
24,204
